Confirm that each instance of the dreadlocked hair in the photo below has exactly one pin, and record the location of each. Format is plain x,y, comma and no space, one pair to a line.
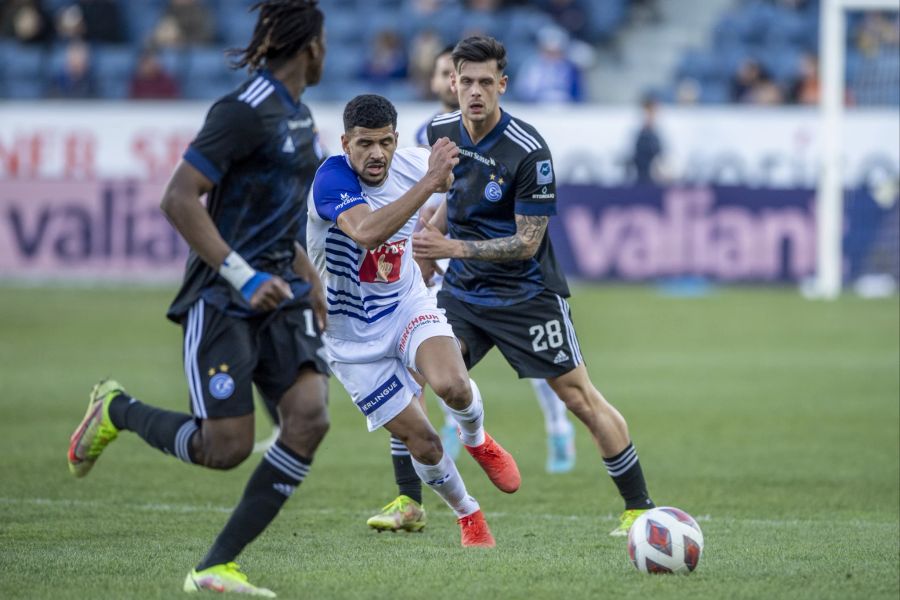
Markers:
283,28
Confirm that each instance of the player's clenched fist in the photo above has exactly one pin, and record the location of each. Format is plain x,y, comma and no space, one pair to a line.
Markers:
444,156
270,294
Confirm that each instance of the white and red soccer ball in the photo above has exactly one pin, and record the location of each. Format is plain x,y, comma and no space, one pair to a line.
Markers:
665,540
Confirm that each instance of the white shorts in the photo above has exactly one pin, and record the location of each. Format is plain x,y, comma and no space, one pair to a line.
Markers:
374,372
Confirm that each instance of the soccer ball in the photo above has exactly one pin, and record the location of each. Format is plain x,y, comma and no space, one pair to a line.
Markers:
665,540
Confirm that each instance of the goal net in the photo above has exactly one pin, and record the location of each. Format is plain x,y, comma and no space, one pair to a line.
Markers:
858,213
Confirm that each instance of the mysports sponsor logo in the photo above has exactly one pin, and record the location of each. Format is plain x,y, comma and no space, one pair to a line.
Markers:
382,394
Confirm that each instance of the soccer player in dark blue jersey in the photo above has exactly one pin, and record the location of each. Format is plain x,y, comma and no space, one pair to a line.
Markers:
248,317
503,286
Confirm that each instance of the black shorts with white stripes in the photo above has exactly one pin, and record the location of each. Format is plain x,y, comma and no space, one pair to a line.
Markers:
225,355
536,336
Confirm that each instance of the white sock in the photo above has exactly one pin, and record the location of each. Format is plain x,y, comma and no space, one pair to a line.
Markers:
445,480
471,419
556,417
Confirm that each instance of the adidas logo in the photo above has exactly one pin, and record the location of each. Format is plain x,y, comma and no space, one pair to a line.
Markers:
284,488
561,357
288,145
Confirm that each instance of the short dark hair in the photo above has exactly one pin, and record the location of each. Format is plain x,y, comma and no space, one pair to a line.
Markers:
479,49
369,111
283,28
444,50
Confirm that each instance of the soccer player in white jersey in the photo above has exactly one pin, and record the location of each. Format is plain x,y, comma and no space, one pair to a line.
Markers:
560,431
382,322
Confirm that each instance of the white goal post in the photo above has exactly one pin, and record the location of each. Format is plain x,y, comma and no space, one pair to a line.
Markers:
832,51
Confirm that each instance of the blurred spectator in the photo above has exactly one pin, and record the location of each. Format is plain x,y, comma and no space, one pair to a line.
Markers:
484,6
151,81
386,60
805,90
688,91
102,21
646,11
753,85
25,21
185,22
550,76
647,156
70,25
423,49
877,32
75,79
571,15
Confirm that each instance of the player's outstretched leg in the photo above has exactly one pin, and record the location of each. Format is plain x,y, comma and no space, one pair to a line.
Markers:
304,422
499,464
610,432
439,472
96,430
111,410
438,359
560,432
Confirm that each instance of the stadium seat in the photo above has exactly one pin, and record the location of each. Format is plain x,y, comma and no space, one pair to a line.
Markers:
235,25
113,66
206,73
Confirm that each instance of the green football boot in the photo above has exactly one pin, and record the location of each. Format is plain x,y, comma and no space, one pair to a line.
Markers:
403,513
223,578
95,431
626,521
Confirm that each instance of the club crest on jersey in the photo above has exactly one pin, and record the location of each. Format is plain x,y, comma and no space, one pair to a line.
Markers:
382,265
221,386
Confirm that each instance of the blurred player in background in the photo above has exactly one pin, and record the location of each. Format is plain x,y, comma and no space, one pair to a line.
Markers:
503,286
382,321
248,318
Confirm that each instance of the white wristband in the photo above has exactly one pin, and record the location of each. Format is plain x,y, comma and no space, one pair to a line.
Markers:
236,271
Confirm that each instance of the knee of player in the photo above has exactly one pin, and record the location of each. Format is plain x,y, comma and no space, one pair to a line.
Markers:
426,447
226,454
454,389
304,428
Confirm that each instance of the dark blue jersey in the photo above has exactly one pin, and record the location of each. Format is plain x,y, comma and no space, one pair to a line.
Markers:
260,149
508,173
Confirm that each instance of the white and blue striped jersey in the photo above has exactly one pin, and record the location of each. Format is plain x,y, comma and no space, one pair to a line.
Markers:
362,286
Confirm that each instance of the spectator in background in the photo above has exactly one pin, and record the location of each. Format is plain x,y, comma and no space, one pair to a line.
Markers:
75,79
185,23
571,15
25,21
550,76
753,85
151,81
688,91
646,160
386,59
102,21
805,90
423,49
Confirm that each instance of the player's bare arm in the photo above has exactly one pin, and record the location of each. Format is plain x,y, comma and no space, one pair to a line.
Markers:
305,269
430,243
182,207
371,228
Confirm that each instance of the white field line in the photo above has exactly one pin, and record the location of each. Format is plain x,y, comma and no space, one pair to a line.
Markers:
297,508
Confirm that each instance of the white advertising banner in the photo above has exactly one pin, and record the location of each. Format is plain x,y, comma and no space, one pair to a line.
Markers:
760,147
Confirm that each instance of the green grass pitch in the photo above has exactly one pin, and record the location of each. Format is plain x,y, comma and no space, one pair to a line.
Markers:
771,419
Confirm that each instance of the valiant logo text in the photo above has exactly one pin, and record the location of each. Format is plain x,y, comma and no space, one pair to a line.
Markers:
385,392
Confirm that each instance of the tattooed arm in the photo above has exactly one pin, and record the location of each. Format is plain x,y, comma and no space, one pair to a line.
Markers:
430,243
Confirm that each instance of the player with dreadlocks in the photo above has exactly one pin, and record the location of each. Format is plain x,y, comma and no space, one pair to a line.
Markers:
251,304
